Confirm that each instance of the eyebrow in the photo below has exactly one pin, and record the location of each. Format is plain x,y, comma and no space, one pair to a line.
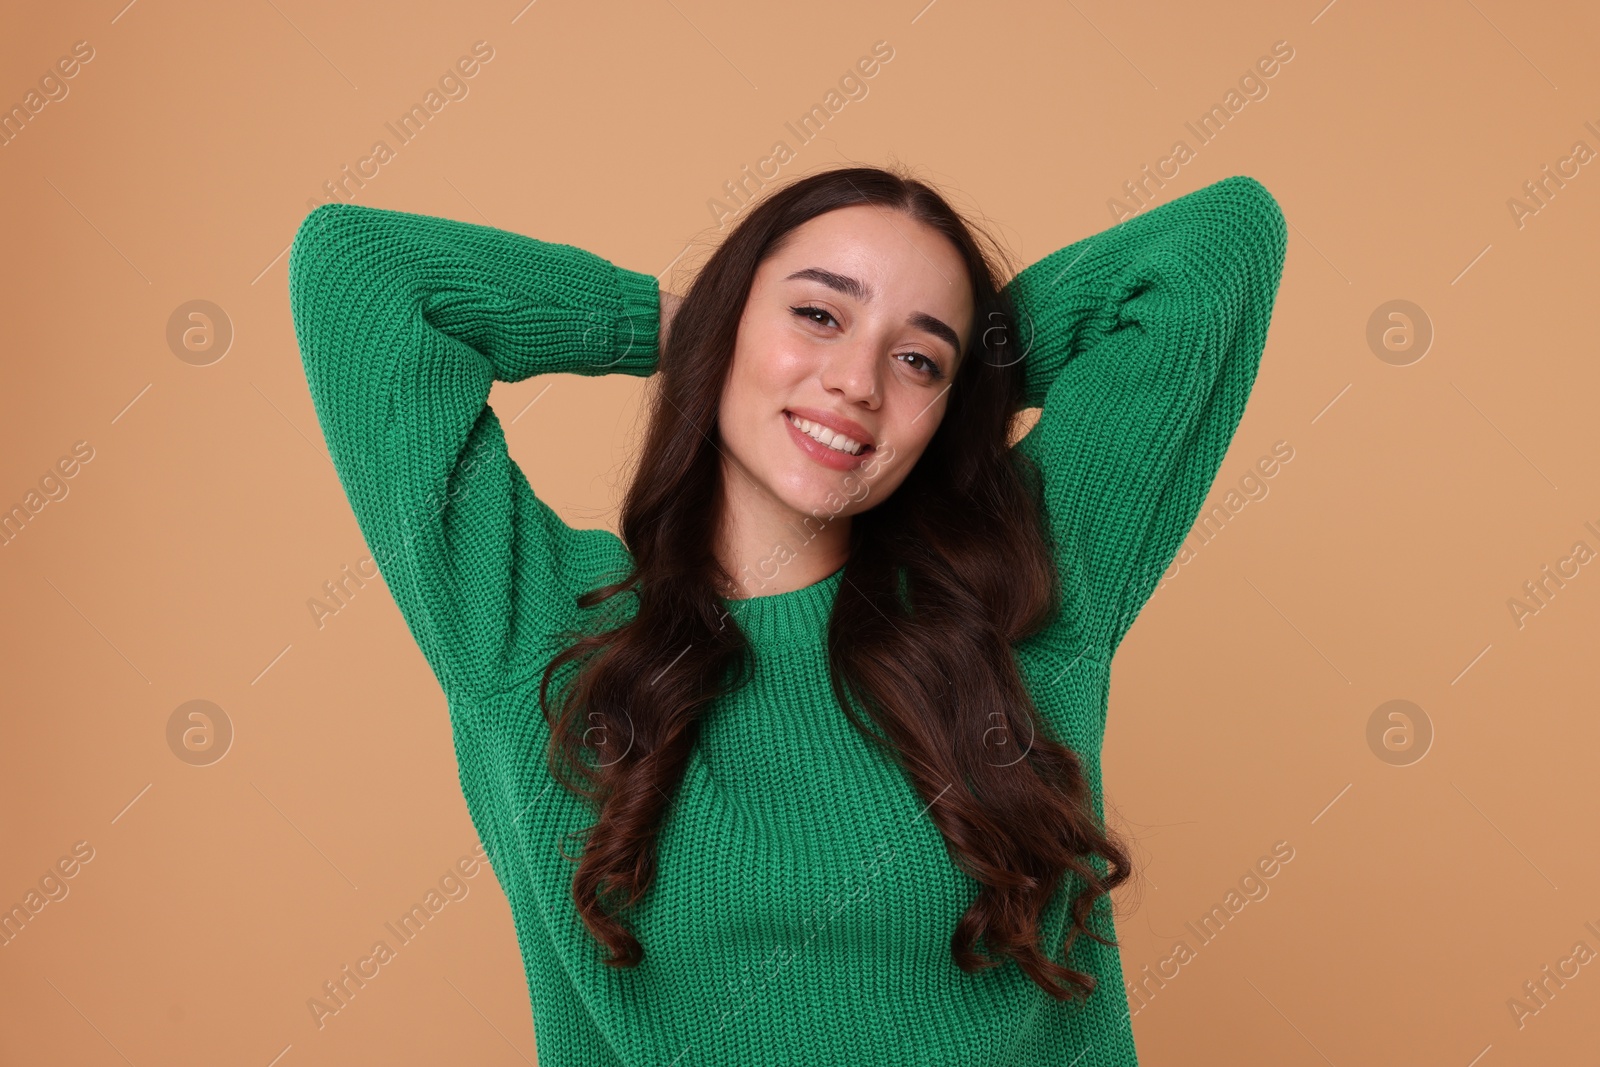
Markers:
858,290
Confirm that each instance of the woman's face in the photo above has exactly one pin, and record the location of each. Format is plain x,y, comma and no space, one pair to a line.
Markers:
856,324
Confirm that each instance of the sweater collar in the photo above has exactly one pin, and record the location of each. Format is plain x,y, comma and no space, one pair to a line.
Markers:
795,614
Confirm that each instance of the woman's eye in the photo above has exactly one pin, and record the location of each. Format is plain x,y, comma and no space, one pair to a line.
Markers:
928,366
807,312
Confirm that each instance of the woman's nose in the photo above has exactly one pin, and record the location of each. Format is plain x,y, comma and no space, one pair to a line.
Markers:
853,372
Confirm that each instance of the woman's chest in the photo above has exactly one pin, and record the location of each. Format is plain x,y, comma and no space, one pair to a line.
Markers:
792,830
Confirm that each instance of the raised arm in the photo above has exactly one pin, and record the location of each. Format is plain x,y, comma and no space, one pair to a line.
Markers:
404,322
1142,344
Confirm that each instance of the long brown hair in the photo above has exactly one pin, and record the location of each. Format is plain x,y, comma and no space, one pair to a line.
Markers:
956,557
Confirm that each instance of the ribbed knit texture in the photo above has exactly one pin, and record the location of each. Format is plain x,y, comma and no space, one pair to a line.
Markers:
804,903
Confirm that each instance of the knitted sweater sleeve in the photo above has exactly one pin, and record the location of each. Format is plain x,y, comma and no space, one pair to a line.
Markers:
404,321
1141,347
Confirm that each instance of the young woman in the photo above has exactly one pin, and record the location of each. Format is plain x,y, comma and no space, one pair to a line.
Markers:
804,766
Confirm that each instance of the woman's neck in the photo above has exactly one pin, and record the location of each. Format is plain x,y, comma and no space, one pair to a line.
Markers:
768,547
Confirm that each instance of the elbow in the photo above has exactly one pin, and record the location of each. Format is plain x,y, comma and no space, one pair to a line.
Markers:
1239,250
315,236
307,249
321,270
327,250
1258,223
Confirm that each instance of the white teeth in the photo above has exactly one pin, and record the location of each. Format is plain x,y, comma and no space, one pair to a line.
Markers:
817,432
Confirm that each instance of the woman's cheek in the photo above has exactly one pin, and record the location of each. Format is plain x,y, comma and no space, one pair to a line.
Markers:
882,466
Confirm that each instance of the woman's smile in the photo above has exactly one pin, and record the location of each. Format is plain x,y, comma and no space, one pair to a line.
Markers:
828,447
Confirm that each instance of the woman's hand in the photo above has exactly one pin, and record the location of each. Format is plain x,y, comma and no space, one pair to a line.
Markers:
669,308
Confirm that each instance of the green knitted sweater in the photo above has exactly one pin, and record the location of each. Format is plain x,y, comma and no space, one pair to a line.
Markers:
804,903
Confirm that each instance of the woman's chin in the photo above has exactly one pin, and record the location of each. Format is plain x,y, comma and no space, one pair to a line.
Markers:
819,497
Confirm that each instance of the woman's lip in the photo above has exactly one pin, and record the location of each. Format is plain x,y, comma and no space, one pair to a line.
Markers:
865,448
820,452
837,423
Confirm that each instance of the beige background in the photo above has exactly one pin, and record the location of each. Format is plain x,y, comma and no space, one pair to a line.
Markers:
182,560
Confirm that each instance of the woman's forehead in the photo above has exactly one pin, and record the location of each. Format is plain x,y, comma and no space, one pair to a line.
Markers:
887,254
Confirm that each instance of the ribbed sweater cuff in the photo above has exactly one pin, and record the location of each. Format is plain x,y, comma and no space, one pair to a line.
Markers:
638,325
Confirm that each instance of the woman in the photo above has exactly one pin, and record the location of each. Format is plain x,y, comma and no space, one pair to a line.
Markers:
803,767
